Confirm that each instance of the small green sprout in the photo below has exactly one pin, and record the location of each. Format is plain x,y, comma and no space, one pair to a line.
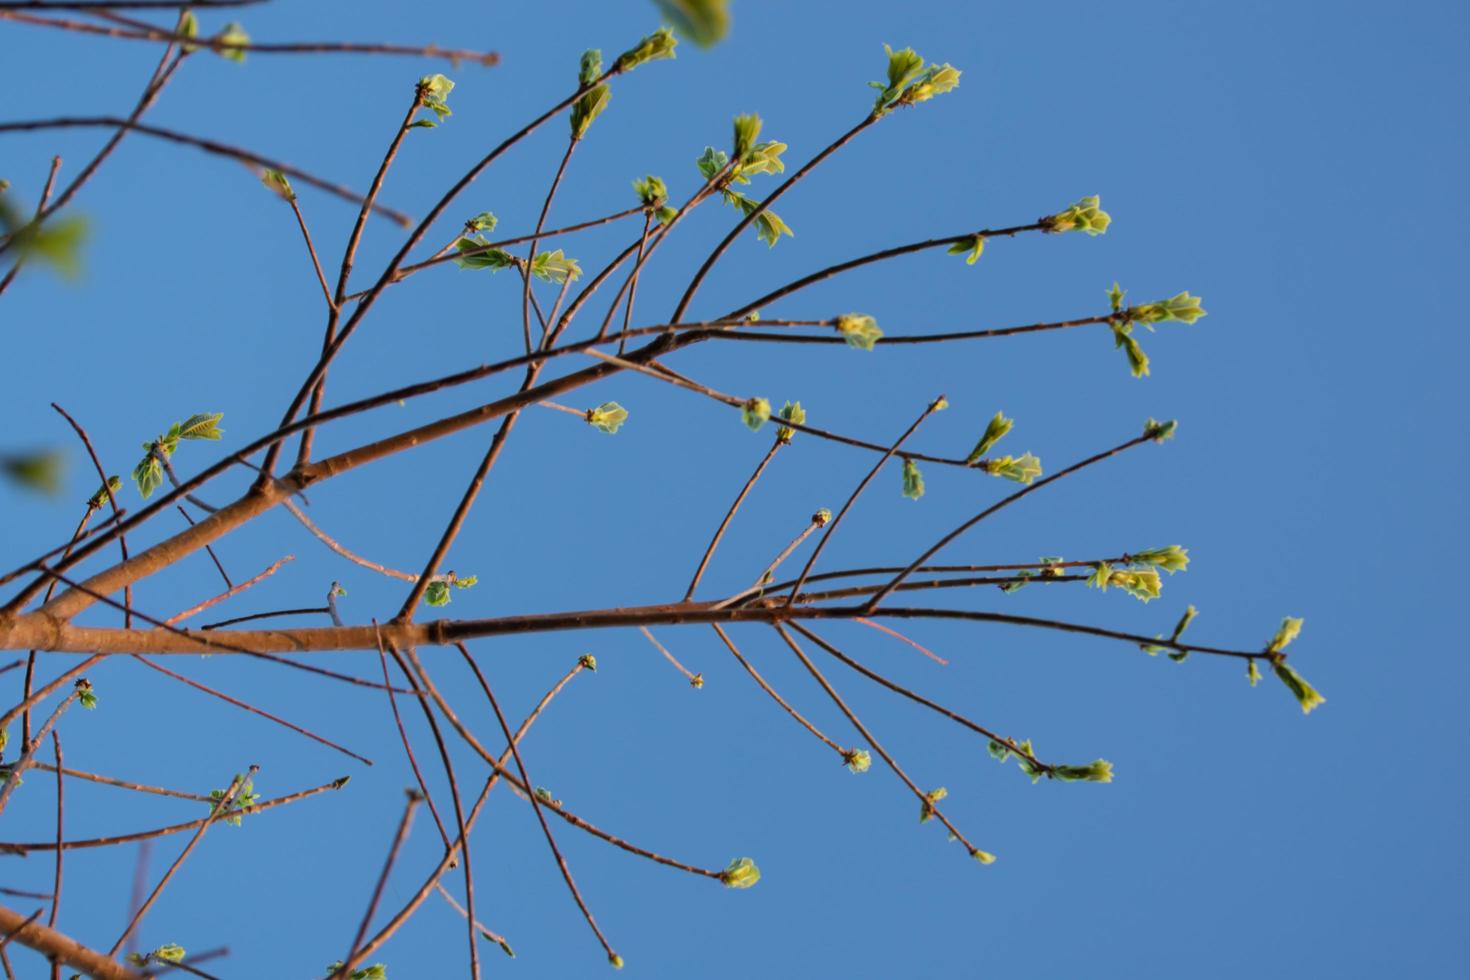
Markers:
857,760
755,413
39,471
821,517
741,873
555,267
590,105
995,430
493,259
607,417
1306,695
1160,431
1142,584
437,594
702,21
909,82
149,473
1252,672
1021,469
790,412
1289,629
188,27
233,35
1020,582
484,221
973,245
1100,771
926,807
589,69
233,812
1086,215
276,183
375,972
651,191
1171,559
1123,338
913,480
615,960
658,45
86,696
434,90
859,330
588,661
1182,308
167,953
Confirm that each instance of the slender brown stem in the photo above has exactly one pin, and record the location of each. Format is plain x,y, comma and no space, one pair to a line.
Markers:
367,917
819,519
696,680
729,516
632,288
880,256
122,783
934,549
929,805
40,209
147,835
306,611
210,146
327,540
12,780
760,209
232,592
561,169
832,526
535,799
220,809
486,58
316,263
413,762
730,644
60,837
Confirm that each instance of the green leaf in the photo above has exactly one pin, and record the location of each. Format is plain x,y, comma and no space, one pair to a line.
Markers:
39,471
276,182
747,130
1171,559
741,873
926,808
1115,297
790,412
87,697
434,91
590,68
169,953
1306,695
423,124
1086,215
995,430
1288,631
1160,431
909,82
437,594
755,412
1021,579
1252,672
493,259
974,246
232,34
1143,584
913,480
1179,656
555,267
1137,359
704,22
1182,308
859,330
99,499
607,417
148,475
711,162
857,760
56,243
188,27
660,44
465,581
1100,771
588,108
651,191
201,426
588,661
484,221
1022,469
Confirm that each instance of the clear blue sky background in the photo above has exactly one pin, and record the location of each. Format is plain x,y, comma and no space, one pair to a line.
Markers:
1297,165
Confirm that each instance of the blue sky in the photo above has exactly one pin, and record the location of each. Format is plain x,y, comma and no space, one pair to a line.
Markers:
1291,163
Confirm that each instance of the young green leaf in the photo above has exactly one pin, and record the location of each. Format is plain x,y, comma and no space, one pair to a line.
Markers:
434,91
660,44
1100,771
995,430
484,221
1171,559
651,191
1086,215
1306,695
857,760
589,69
39,471
555,267
1288,631
909,82
1182,308
201,426
913,480
1123,337
790,412
607,417
926,807
1143,584
437,594
741,873
493,259
234,35
276,183
1022,469
99,499
974,246
148,475
859,330
1160,431
755,412
588,108
702,21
